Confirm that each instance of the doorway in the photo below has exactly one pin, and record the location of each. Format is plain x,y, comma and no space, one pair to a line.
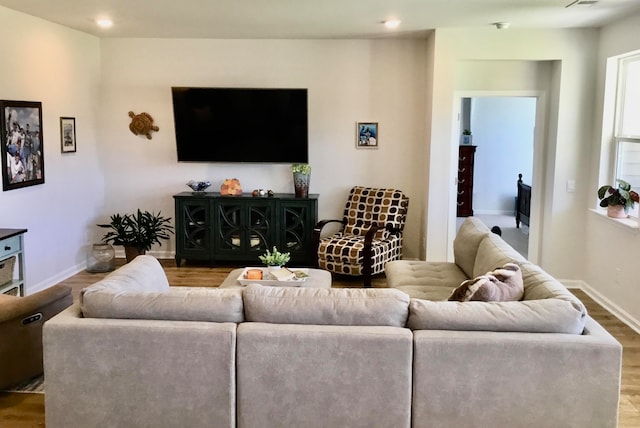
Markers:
504,129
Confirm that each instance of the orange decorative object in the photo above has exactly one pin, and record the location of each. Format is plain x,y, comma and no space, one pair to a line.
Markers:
254,274
231,187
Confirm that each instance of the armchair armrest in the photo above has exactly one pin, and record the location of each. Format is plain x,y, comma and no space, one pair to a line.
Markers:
317,231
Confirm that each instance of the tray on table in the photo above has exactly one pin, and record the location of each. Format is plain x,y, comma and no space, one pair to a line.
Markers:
268,279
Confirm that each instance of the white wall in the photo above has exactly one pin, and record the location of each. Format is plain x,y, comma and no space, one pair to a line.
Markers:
566,154
612,250
503,130
348,81
60,68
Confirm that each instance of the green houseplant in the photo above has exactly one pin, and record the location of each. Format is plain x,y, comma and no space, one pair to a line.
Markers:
137,232
301,168
617,200
274,258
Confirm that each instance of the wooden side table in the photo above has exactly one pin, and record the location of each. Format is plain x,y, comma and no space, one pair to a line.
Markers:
12,245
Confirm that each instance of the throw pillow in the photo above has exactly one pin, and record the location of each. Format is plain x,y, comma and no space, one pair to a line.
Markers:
500,285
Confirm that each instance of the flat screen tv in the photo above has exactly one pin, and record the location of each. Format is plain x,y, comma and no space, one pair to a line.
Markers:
241,125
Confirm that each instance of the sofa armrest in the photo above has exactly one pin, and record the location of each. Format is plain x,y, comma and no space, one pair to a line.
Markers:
516,379
138,372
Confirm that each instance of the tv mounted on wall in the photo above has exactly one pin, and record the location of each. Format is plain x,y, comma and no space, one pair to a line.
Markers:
241,125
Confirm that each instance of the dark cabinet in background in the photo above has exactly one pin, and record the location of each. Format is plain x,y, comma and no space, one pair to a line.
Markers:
215,228
466,156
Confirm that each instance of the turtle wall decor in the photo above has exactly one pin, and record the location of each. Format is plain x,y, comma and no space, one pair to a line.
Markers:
142,124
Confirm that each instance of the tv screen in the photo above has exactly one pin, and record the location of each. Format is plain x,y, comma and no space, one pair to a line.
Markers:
241,125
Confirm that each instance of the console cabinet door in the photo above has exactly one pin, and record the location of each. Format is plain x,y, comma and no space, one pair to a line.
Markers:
193,229
243,228
297,219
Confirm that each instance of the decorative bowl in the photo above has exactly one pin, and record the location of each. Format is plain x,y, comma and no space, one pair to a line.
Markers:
198,186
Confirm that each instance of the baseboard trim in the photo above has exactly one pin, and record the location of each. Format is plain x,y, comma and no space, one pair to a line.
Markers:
67,273
605,302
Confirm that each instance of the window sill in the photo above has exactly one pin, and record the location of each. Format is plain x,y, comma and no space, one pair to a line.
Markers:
625,223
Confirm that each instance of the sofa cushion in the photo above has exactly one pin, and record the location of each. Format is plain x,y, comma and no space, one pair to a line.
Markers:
336,306
466,242
494,252
140,290
532,316
177,304
144,273
500,285
538,284
401,273
426,292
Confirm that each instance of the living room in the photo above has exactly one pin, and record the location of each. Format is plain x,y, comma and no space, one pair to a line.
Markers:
406,84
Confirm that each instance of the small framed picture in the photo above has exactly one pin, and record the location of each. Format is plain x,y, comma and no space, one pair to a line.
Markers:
22,148
367,135
68,134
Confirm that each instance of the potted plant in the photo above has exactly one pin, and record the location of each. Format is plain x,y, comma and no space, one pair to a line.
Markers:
301,177
274,259
466,137
137,232
617,200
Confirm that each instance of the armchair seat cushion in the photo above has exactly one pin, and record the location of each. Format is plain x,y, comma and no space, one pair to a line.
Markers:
344,254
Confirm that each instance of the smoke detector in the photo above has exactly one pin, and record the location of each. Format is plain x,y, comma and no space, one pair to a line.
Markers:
502,25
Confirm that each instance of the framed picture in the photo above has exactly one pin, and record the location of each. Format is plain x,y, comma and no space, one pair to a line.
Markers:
68,134
367,135
22,144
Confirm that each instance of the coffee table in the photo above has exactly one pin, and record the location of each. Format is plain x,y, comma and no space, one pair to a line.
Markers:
317,278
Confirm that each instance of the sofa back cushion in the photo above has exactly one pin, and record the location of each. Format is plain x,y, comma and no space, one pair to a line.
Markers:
538,284
492,253
177,303
144,273
321,306
530,316
140,290
466,242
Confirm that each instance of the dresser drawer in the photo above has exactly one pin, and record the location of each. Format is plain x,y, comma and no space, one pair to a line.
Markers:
9,246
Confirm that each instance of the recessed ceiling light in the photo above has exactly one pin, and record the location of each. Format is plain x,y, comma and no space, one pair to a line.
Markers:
104,22
392,23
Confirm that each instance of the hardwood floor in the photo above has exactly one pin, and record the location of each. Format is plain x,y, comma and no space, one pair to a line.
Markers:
27,410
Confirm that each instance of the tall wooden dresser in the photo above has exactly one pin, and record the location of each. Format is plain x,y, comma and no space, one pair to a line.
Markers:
465,180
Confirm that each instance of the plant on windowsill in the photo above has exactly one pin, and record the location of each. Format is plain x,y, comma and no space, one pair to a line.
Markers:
617,200
274,259
137,232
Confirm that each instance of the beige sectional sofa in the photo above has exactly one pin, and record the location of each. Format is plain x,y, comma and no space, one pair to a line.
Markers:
136,352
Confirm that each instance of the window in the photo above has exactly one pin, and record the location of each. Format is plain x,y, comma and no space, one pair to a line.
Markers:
627,124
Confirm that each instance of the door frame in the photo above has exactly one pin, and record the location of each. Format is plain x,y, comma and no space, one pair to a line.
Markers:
539,165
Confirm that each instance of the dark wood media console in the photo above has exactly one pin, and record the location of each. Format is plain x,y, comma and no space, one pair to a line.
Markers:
214,228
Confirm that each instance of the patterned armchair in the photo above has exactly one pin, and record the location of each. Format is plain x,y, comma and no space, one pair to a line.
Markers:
371,233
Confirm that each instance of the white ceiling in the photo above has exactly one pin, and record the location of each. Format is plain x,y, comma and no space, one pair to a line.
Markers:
301,19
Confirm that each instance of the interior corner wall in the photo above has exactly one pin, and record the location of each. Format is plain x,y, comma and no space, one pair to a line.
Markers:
612,250
572,47
348,81
61,68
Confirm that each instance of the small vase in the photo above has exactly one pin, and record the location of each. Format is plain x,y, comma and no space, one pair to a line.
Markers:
616,211
273,268
301,184
101,258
